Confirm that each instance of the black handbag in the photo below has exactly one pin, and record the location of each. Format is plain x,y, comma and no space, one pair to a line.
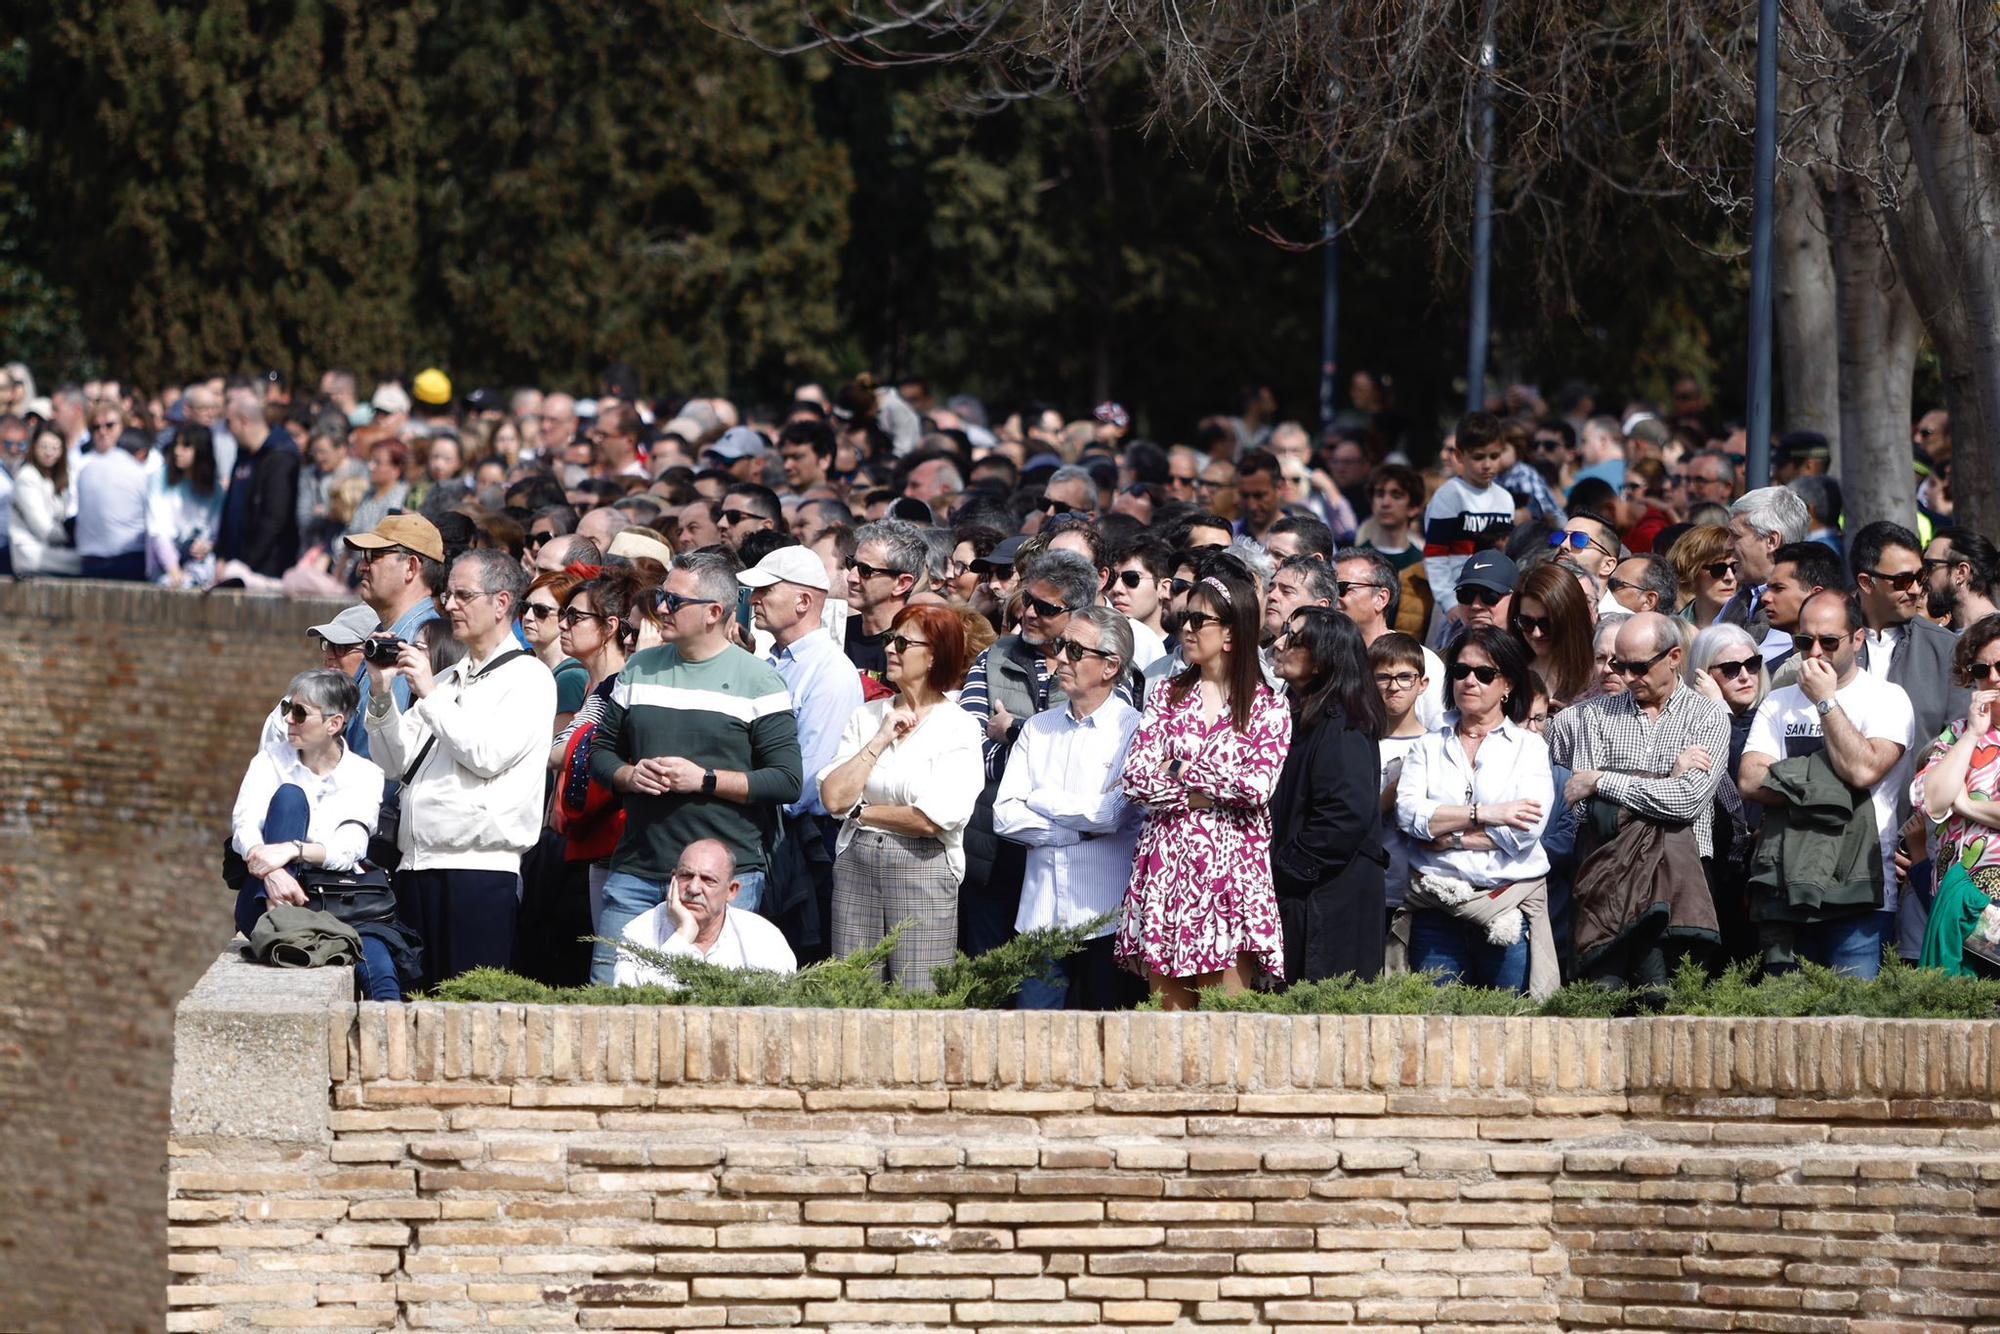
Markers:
360,895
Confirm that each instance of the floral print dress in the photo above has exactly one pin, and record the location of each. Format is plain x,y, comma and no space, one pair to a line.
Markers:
1973,846
1200,892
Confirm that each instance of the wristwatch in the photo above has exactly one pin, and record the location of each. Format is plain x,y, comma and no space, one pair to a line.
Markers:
708,783
1825,706
1458,840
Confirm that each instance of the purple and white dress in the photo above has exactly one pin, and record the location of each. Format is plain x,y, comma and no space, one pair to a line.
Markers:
1200,892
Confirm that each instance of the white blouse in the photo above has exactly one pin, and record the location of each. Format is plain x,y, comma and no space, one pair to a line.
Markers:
344,802
40,542
938,768
1513,762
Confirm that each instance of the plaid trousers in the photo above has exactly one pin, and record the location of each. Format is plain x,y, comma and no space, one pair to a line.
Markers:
883,879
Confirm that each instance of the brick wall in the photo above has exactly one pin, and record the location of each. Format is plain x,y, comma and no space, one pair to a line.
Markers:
126,718
500,1166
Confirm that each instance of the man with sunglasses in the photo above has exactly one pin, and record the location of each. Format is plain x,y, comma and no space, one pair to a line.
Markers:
748,508
1907,649
1071,490
1142,569
1367,586
1657,750
700,737
1962,578
1798,570
402,563
1864,726
1484,596
889,561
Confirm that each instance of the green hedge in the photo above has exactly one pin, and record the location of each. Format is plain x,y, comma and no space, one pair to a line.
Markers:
855,983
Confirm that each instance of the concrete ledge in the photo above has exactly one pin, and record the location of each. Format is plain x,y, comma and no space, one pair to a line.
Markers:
251,1056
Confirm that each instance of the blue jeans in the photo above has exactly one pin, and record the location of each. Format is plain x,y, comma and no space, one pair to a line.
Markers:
1851,946
288,817
1442,943
628,897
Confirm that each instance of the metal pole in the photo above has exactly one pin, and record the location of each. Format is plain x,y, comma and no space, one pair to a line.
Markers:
1765,203
1329,311
1482,226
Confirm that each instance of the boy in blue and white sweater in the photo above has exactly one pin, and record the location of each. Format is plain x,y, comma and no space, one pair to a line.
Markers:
1469,511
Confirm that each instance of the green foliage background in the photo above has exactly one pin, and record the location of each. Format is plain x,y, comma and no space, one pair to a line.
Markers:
525,190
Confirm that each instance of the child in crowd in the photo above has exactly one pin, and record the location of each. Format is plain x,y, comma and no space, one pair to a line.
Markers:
1398,663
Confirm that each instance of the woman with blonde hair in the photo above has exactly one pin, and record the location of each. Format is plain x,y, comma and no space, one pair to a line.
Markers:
1706,567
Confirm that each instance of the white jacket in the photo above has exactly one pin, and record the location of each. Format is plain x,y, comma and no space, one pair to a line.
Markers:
476,804
36,532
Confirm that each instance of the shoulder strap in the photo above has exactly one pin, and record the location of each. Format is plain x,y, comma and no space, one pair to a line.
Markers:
432,740
496,664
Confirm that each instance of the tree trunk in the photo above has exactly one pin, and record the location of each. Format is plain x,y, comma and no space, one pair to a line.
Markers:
1808,350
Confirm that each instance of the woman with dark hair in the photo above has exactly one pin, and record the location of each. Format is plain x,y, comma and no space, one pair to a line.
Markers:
1551,617
1327,855
1199,910
1958,780
1478,873
42,498
903,783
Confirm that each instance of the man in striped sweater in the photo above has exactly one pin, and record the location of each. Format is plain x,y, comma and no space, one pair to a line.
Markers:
700,737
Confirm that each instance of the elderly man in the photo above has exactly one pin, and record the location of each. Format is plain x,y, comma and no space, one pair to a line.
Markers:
473,751
1644,583
556,423
1063,798
1485,592
561,552
1760,522
700,738
1656,750
1863,726
1070,490
700,919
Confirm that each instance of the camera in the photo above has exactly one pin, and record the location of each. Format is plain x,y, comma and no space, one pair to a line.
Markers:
382,650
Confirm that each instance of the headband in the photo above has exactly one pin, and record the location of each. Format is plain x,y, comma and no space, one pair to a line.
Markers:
1221,590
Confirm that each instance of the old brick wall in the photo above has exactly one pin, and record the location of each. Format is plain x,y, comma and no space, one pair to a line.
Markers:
127,715
488,1166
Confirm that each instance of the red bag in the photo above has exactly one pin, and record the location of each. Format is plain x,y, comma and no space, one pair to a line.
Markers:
589,815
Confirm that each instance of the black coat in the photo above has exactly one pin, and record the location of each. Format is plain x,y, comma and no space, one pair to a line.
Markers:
1327,857
270,538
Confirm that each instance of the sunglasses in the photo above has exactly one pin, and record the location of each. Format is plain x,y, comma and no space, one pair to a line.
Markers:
1046,608
536,541
1722,569
1196,621
867,571
294,711
538,611
1827,643
1462,670
1617,585
903,643
1939,563
1536,625
1179,586
1131,578
1346,586
108,424
1575,541
1396,680
569,616
1979,671
1902,583
1050,505
1075,652
674,604
1624,668
1548,444
1742,667
742,516
1484,597
986,569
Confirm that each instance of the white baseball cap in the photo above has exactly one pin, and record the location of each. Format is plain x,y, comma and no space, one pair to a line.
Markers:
790,565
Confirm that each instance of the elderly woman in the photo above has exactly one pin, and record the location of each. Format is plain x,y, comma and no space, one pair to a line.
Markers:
1707,568
905,779
1474,797
1724,664
309,803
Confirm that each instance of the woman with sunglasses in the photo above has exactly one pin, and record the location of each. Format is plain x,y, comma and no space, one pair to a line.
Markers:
540,630
1199,910
1706,566
905,780
1551,618
1723,663
1473,798
1958,787
1327,855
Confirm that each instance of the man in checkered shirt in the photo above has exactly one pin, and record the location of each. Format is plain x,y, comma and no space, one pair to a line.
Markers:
1659,750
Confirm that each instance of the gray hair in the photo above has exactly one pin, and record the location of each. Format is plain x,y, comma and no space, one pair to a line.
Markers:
1070,472
1069,573
1821,495
497,572
714,576
328,691
1773,509
1256,560
1720,638
1321,581
907,550
941,544
1608,624
1659,578
578,549
1114,632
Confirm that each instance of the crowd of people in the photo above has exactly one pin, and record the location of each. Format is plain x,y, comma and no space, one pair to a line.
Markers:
768,685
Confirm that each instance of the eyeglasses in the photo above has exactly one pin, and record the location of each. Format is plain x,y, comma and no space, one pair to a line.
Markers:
1827,643
1203,484
1577,542
1543,626
903,643
1196,621
378,554
451,595
1536,721
1050,505
1979,671
986,569
108,424
1131,578
1484,597
1617,585
1075,652
1396,680
296,712
1043,607
1179,586
1940,562
1346,586
1721,569
674,604
538,611
1462,670
1742,667
867,571
1902,583
569,616
1624,668
742,516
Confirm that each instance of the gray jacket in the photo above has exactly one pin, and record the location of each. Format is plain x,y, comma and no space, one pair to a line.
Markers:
1921,665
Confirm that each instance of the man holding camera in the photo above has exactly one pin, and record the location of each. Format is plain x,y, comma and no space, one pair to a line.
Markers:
474,744
399,562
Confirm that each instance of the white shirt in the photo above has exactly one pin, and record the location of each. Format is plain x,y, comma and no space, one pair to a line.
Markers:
1396,881
1513,762
938,768
1430,709
345,802
111,502
1777,643
1787,725
746,941
1147,646
1063,796
1880,647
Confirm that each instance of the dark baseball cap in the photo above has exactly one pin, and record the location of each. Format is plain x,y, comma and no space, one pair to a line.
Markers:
1491,570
